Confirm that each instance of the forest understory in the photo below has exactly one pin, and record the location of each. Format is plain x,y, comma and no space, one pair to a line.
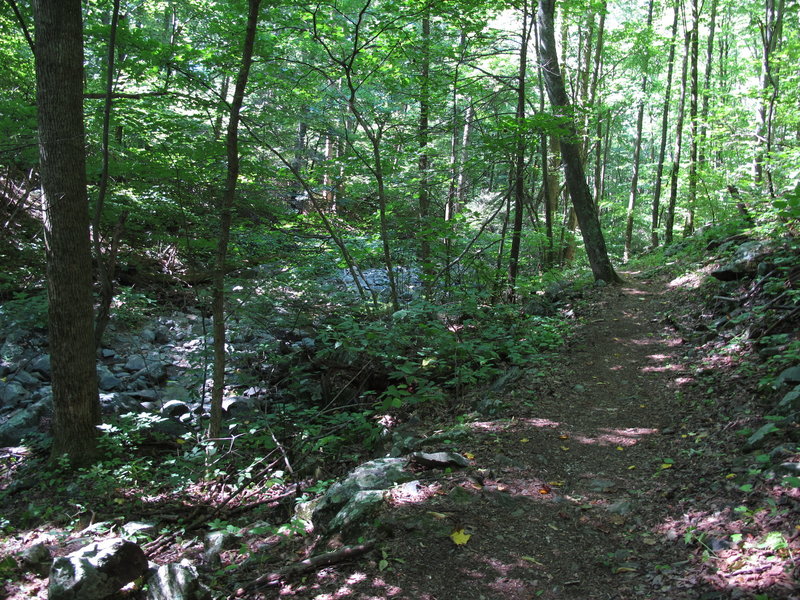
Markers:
617,467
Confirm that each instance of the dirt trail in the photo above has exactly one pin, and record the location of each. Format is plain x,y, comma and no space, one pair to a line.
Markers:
579,485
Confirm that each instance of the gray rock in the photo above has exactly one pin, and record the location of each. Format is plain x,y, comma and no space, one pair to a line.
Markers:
439,460
108,353
37,558
174,409
790,376
24,422
148,336
11,393
155,372
96,571
135,363
744,262
790,402
147,395
106,380
358,511
213,545
25,378
132,528
42,365
175,581
376,475
114,403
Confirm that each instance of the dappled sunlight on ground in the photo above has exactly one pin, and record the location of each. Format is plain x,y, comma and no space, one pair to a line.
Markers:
616,437
741,547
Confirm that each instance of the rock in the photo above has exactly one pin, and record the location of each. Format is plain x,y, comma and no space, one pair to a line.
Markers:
144,395
24,422
135,363
790,402
11,393
358,510
439,460
42,365
174,409
108,353
155,372
790,376
106,380
37,559
25,378
131,528
148,335
214,543
373,476
114,403
744,262
175,581
96,571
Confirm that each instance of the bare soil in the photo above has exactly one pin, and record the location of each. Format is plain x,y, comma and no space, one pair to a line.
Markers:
615,472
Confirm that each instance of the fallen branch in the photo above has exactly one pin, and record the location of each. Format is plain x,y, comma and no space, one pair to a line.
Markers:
306,566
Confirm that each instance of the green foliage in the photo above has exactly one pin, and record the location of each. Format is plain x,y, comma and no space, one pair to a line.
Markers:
25,310
426,354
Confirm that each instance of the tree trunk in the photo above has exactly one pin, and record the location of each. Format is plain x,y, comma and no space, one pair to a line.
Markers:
676,155
664,131
225,210
694,51
423,135
519,156
571,149
637,150
59,99
771,29
106,263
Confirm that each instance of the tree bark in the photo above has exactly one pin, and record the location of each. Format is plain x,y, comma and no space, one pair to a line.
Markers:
519,156
637,150
771,29
106,262
664,131
676,155
571,150
694,103
423,135
59,99
225,210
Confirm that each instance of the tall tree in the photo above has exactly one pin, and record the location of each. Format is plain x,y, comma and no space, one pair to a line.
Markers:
423,137
637,147
59,100
694,95
225,212
662,148
771,29
571,149
519,152
669,220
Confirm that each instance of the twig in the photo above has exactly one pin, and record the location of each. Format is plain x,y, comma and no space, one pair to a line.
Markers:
307,566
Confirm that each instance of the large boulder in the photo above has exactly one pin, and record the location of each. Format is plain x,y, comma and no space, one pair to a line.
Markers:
744,262
96,571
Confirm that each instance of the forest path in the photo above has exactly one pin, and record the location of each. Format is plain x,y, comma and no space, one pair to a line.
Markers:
583,486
